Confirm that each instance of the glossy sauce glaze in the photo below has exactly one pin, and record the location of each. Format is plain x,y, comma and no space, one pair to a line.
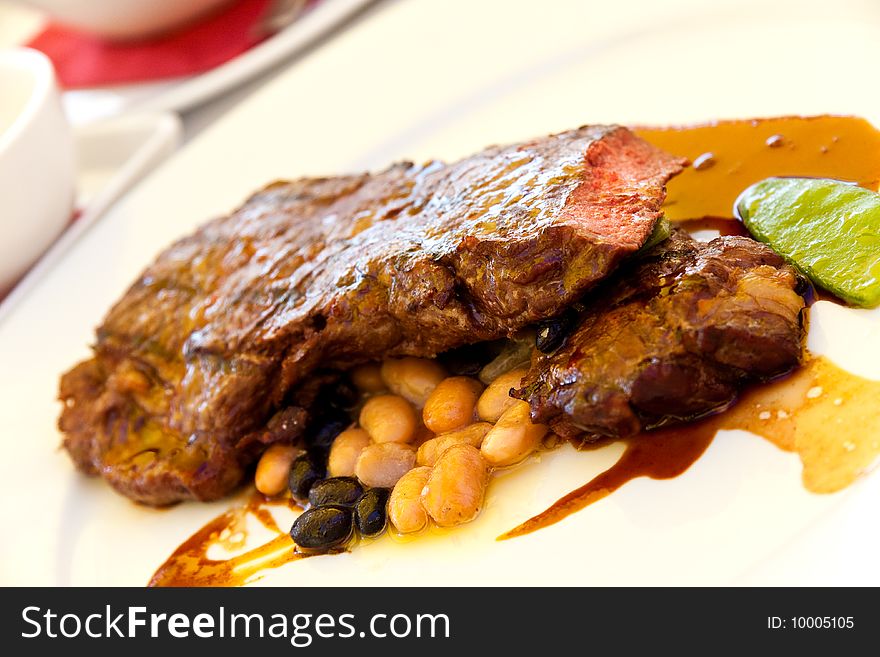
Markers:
728,156
823,413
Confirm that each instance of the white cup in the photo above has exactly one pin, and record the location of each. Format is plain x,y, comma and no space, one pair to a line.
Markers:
37,161
125,19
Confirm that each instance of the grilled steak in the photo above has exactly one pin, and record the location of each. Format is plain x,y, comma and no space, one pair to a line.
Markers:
672,337
209,343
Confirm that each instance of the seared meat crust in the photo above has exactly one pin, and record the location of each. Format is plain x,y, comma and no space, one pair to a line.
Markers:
218,333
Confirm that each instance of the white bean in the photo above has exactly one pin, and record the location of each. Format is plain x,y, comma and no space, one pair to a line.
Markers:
513,437
456,487
472,435
345,450
451,405
389,419
368,378
274,468
496,398
382,464
413,379
405,510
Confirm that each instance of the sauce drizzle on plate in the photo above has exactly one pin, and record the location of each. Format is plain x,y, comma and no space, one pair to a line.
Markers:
746,151
826,415
190,565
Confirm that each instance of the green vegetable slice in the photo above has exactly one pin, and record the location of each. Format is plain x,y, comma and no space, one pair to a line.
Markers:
827,228
662,231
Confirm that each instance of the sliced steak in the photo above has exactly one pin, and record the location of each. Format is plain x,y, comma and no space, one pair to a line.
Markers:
672,337
201,351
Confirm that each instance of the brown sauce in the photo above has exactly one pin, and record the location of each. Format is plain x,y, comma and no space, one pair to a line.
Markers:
828,416
659,454
728,156
190,565
821,294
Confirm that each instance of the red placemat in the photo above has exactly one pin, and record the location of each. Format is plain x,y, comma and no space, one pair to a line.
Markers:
84,60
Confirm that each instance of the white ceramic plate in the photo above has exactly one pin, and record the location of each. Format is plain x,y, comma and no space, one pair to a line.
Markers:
83,105
421,79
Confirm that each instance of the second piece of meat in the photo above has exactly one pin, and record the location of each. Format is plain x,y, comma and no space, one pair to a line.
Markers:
672,338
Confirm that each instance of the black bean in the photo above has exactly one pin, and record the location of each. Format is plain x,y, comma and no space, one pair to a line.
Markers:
336,491
307,469
340,394
805,289
344,395
325,426
552,333
322,528
370,515
467,360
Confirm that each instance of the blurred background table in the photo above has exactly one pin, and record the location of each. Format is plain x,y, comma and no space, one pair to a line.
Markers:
20,23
